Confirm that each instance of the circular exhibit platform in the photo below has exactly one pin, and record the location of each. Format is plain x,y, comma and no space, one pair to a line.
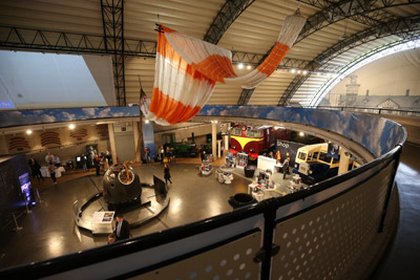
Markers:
154,199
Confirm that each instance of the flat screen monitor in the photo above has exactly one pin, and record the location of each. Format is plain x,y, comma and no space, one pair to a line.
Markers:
26,188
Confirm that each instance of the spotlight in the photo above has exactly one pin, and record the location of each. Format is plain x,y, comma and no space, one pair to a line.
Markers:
248,67
301,134
299,71
29,131
240,66
72,126
293,70
146,121
304,72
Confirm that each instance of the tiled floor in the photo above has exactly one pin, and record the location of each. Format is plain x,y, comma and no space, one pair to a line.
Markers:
49,230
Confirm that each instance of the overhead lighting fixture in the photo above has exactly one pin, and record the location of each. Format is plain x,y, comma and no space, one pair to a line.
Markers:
301,134
241,66
29,131
293,70
304,72
248,67
299,71
72,126
146,121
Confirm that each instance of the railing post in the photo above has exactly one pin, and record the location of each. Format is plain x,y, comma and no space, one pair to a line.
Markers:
269,249
389,190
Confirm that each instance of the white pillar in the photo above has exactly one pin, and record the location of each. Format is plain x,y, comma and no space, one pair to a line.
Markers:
226,137
219,148
213,138
137,152
226,142
112,142
343,165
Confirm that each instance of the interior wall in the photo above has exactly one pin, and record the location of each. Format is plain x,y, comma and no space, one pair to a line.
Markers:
124,141
101,69
394,75
64,143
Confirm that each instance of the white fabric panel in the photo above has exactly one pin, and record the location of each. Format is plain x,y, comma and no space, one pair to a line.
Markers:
250,80
291,29
174,82
194,50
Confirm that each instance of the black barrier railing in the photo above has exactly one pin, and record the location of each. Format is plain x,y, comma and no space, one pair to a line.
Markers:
374,110
266,207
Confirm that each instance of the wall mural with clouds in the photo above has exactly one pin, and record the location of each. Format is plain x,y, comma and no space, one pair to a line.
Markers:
45,116
377,134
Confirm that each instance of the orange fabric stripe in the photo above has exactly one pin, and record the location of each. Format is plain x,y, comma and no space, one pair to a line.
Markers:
169,109
216,68
167,29
273,60
166,50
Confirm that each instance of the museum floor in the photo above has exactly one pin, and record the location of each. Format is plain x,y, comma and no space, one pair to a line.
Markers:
49,231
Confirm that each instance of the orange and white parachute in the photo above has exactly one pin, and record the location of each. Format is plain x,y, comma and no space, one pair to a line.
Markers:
187,70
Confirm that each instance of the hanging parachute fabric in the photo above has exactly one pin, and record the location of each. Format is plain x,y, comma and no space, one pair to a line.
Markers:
187,70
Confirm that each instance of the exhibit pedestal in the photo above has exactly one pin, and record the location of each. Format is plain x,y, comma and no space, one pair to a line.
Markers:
102,222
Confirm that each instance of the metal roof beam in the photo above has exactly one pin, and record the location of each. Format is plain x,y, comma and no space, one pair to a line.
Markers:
113,27
15,38
403,27
229,12
367,12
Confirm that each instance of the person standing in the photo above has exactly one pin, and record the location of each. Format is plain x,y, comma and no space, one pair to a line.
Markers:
167,173
97,162
35,169
286,164
51,169
122,228
278,156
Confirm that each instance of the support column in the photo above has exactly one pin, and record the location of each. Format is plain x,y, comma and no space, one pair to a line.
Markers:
137,148
226,142
226,137
343,165
112,143
219,148
214,138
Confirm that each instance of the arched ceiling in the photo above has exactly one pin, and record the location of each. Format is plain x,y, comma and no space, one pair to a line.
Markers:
336,34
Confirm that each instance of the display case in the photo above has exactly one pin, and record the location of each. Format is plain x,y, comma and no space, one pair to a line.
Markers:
241,160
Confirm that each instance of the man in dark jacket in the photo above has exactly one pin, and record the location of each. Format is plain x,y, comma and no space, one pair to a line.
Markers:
122,229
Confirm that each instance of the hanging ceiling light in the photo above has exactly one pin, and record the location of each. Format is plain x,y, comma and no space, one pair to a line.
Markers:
72,126
29,131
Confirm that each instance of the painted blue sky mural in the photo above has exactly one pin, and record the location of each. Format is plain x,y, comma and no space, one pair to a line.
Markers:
375,133
45,116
